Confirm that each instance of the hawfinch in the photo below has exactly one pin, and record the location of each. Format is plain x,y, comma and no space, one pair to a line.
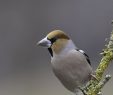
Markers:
70,64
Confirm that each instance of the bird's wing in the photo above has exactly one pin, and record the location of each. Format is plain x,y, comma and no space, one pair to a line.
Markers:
87,57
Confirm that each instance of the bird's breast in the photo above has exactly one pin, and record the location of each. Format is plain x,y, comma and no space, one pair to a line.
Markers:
70,72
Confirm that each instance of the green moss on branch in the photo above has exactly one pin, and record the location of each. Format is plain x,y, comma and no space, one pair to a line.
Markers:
95,85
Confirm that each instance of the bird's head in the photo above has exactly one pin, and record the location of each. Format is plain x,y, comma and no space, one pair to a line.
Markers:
55,41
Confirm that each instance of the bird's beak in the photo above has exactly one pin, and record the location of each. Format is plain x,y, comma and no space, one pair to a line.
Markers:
44,43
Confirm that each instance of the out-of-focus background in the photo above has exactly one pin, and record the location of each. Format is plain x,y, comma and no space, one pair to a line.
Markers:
25,69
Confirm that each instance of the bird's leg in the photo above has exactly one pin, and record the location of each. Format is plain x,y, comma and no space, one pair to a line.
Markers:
94,77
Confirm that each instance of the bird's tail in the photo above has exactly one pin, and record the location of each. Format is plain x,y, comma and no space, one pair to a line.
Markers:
79,92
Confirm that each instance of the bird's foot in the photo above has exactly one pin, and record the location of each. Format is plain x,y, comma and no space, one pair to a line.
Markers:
94,77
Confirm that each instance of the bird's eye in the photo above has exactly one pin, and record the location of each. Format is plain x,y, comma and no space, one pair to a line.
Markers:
52,40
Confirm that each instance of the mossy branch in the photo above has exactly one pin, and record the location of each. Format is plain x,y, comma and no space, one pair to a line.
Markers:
95,85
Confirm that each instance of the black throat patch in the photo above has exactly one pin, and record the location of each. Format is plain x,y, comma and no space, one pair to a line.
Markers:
50,51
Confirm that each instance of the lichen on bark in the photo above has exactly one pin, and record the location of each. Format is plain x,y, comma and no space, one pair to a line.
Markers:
96,84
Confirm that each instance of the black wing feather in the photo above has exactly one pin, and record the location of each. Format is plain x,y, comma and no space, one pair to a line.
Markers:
87,57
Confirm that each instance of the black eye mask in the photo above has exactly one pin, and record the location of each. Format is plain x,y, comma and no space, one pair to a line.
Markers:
52,39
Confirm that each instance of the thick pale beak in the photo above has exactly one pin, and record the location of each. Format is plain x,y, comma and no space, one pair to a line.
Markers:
44,43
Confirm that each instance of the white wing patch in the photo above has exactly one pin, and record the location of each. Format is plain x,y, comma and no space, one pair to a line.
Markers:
87,57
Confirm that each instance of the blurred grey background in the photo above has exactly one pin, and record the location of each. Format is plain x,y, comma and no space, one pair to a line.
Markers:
25,69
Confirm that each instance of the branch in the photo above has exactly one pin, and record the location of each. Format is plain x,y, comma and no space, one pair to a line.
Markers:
95,85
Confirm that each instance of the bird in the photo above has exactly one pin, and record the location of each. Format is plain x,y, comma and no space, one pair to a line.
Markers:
70,64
